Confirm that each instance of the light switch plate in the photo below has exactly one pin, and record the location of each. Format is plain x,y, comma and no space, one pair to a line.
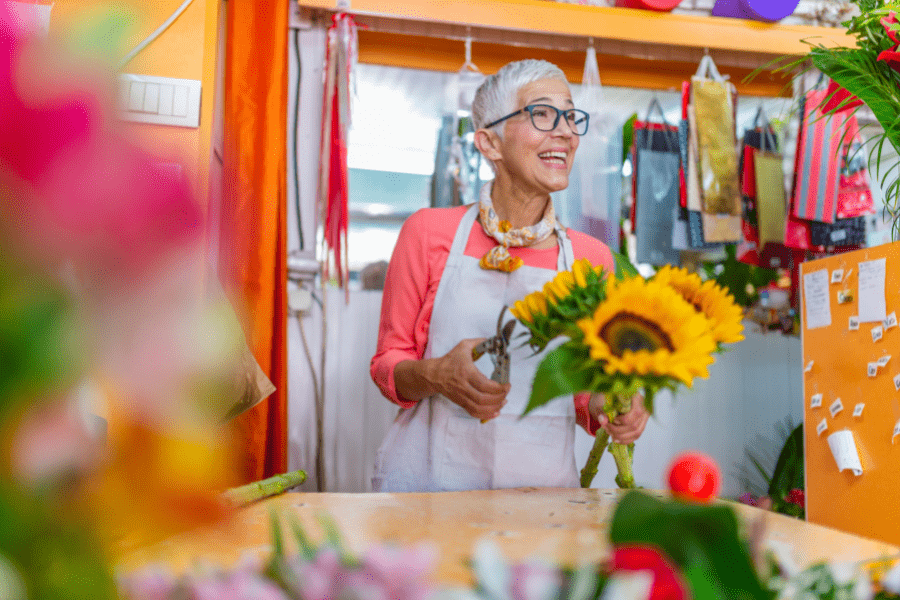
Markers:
159,100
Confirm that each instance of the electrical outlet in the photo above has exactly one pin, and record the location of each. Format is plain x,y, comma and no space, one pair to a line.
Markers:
299,300
159,100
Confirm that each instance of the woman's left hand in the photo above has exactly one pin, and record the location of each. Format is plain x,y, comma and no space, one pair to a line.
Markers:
624,429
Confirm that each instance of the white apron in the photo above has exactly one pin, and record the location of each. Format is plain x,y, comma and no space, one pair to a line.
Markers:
435,445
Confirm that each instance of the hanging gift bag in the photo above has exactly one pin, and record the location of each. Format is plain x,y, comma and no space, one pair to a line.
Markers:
595,182
711,98
641,138
771,209
657,191
818,162
854,194
704,228
843,232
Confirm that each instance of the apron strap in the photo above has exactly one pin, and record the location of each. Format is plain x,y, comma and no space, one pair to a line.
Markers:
461,238
566,257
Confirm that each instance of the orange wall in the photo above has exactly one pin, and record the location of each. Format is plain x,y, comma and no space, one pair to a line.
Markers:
187,49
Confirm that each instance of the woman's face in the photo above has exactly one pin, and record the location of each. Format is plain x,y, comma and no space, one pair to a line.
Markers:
539,161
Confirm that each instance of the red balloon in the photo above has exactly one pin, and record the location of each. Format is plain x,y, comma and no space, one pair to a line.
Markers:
694,476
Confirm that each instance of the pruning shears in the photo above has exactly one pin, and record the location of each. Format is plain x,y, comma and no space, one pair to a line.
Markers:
498,348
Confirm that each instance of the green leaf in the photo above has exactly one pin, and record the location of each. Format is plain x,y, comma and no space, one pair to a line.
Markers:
563,371
788,473
624,268
702,540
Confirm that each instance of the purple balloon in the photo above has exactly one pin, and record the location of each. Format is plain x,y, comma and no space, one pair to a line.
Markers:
758,10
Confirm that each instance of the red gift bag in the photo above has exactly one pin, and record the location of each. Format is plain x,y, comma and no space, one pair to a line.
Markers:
818,162
854,194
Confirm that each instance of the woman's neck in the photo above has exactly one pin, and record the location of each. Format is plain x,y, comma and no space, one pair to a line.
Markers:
515,204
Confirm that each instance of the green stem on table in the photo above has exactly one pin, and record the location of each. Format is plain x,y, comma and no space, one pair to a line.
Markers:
259,490
590,467
624,457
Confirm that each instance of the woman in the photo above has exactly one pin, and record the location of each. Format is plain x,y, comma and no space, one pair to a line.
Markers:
451,273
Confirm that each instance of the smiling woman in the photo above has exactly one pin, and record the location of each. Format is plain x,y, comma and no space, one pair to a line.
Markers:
452,271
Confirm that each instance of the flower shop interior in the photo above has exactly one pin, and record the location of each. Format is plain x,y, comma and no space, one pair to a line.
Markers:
215,330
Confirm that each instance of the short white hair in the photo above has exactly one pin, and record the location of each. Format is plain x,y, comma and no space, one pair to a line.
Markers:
497,96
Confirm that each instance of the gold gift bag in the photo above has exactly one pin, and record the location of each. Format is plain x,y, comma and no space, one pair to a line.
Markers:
717,159
770,198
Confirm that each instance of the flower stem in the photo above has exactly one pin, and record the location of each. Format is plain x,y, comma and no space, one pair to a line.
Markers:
590,467
259,490
624,457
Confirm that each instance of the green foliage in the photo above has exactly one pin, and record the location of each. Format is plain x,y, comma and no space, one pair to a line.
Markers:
736,276
54,555
874,82
701,540
37,341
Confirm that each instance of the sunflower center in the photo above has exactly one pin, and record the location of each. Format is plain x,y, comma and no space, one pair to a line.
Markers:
626,331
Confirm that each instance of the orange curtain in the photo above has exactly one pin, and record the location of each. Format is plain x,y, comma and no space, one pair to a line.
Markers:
254,214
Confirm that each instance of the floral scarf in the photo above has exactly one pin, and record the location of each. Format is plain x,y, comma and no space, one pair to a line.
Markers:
498,257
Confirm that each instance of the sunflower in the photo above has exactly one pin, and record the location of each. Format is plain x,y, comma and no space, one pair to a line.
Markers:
712,300
648,328
558,288
531,307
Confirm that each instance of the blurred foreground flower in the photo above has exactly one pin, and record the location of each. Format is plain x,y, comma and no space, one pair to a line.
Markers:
102,280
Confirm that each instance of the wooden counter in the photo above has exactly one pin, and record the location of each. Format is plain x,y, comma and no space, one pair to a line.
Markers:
562,525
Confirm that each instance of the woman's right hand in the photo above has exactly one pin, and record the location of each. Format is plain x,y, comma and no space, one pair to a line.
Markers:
455,376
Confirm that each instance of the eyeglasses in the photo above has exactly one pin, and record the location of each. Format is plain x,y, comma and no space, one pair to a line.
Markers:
545,117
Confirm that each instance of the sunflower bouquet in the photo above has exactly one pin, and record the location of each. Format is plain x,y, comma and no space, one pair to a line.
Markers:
626,335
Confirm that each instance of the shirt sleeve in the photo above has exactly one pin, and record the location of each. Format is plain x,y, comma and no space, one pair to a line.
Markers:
402,331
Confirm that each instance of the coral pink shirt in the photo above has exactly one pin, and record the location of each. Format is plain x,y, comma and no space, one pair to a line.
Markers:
412,280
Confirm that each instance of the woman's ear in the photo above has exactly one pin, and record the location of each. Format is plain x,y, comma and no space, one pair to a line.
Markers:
488,143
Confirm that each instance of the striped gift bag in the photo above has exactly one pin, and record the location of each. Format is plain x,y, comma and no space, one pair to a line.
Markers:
818,162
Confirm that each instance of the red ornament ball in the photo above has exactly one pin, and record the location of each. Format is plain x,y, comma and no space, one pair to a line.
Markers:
668,583
694,476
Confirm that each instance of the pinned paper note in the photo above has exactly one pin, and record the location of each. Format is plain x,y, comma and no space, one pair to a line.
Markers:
872,369
837,275
818,304
857,410
872,306
890,320
877,333
836,407
896,431
897,382
822,426
816,400
809,367
853,325
844,296
843,448
883,361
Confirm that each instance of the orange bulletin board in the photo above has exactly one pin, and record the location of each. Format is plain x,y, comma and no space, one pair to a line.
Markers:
867,504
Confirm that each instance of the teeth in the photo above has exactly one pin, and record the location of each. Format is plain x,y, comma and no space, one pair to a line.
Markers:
560,155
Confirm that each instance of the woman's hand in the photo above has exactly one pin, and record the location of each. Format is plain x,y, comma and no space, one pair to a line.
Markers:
624,429
455,376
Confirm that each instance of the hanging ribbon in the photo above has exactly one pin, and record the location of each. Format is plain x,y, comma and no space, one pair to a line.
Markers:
340,59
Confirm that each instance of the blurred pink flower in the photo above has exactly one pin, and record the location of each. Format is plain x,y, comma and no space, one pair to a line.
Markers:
384,573
748,498
52,441
75,189
534,581
148,584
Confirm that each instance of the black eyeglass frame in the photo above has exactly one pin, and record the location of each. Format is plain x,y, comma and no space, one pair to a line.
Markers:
559,113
